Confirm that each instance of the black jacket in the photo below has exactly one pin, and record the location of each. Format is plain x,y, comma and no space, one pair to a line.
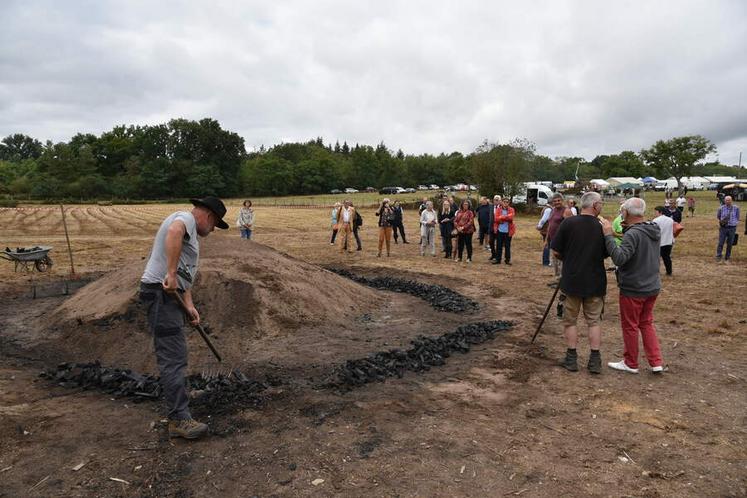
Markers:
483,214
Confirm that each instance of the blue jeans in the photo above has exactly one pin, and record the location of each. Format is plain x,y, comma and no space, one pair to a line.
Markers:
725,234
246,233
545,253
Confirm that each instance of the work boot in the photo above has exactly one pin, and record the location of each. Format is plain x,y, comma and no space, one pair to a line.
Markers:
570,362
188,428
595,363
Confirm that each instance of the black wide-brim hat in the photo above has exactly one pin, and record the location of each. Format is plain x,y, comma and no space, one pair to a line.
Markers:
216,206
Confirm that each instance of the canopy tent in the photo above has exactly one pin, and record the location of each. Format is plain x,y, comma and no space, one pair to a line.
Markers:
599,182
616,181
628,186
649,180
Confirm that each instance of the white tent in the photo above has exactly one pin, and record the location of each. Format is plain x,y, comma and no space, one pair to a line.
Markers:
599,183
720,179
621,180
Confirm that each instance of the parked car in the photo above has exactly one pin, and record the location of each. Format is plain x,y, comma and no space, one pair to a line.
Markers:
433,186
351,191
410,190
335,191
422,187
370,190
390,190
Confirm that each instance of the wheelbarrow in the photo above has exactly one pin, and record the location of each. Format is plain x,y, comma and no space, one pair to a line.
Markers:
28,258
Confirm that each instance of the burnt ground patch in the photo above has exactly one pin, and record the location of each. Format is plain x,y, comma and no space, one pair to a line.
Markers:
426,352
440,297
221,393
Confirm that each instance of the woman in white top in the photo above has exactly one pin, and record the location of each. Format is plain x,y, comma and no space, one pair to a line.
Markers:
428,222
333,223
245,221
666,227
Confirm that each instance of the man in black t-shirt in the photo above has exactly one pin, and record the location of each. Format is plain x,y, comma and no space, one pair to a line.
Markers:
579,243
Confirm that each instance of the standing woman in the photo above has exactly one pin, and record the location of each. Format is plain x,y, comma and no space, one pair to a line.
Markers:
428,229
465,226
245,221
386,215
398,223
506,230
446,222
333,222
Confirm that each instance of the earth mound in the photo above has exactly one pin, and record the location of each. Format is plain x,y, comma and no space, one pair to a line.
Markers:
243,291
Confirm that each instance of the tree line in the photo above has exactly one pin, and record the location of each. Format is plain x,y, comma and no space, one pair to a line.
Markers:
184,158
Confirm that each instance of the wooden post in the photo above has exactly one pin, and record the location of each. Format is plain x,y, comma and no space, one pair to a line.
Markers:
67,237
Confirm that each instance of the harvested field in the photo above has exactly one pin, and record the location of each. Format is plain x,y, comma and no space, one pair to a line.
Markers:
500,420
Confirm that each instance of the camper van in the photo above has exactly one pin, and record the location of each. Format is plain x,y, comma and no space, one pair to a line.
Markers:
535,194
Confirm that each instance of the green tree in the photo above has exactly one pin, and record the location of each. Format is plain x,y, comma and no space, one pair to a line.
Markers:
501,168
19,147
677,157
626,163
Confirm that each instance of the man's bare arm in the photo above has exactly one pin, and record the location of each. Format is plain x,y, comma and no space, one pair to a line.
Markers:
173,244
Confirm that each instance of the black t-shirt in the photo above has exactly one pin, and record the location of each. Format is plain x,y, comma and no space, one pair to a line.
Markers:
580,242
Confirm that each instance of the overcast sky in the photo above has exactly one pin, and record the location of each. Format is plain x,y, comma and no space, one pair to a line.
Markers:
576,78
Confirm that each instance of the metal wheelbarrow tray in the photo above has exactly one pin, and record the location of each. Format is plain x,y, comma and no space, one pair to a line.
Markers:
28,257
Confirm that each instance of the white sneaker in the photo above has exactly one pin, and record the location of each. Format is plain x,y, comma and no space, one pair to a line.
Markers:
658,370
620,365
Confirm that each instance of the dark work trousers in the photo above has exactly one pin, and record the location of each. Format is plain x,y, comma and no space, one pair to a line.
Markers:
464,239
401,227
166,323
666,255
493,242
357,237
446,238
482,234
334,236
502,241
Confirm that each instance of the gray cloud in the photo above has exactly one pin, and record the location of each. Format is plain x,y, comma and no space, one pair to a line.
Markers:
576,77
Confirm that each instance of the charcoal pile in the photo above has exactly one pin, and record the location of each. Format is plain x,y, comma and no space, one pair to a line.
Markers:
94,376
221,392
425,352
440,297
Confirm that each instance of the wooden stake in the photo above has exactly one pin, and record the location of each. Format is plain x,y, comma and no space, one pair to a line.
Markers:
67,237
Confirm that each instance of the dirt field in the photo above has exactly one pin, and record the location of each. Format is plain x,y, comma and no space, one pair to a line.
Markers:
501,420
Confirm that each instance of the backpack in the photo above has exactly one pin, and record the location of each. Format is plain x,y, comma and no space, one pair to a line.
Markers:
358,221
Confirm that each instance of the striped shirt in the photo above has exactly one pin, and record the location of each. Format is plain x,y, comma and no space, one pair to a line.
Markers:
729,213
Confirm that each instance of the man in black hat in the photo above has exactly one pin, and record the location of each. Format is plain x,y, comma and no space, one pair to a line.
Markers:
172,268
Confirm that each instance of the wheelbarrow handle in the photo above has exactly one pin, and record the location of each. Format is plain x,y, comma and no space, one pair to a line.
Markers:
199,328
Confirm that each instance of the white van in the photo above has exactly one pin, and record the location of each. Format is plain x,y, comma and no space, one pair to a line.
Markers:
535,193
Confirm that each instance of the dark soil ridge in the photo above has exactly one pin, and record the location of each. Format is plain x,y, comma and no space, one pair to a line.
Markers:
221,392
440,297
227,393
425,352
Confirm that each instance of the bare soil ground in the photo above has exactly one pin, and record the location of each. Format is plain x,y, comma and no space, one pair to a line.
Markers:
501,420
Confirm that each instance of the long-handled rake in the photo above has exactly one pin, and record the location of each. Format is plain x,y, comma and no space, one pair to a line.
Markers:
199,328
547,310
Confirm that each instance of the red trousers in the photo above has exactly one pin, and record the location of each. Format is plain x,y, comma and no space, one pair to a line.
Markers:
637,313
